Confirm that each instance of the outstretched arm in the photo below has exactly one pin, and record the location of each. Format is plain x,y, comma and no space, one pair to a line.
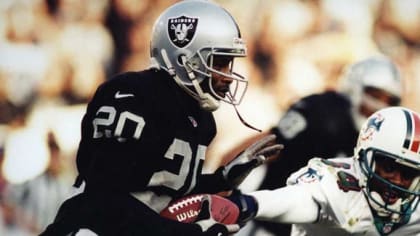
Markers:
291,204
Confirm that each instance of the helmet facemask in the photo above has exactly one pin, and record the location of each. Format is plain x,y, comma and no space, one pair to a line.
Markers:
388,199
200,69
219,58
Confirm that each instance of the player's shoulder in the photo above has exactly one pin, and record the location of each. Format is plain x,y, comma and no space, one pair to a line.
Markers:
320,101
341,170
333,166
326,113
308,113
334,163
145,83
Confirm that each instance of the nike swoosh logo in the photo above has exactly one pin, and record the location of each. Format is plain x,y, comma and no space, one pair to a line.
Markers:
123,95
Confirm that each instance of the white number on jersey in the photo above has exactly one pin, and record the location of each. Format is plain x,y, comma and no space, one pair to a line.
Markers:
292,124
101,128
111,114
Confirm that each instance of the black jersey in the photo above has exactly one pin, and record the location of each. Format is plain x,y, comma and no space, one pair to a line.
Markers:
319,125
142,132
143,143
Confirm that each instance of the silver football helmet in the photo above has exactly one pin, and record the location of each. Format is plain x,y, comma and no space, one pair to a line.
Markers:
390,140
377,72
185,40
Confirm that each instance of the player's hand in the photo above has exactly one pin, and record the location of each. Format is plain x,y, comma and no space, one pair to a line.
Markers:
253,156
248,206
209,226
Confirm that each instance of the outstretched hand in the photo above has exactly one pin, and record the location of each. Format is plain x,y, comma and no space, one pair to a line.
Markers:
253,156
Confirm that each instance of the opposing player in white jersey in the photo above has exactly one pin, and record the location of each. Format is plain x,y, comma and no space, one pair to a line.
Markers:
365,87
374,193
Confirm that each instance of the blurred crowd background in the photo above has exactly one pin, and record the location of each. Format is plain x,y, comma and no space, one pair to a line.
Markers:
54,53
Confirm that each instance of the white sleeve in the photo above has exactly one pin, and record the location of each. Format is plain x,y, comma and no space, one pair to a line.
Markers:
290,204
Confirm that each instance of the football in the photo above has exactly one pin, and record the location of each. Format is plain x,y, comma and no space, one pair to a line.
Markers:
186,209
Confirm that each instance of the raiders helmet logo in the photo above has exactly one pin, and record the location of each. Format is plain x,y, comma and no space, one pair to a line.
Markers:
181,30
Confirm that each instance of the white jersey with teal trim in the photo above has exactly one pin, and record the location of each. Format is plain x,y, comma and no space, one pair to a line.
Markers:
343,207
324,198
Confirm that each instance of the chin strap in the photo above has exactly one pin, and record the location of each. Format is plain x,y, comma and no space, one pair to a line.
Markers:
377,203
206,100
244,122
240,117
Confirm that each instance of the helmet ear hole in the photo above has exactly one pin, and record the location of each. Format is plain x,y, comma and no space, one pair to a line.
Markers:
154,52
179,59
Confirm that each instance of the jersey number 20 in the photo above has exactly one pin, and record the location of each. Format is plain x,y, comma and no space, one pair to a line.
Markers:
178,147
122,119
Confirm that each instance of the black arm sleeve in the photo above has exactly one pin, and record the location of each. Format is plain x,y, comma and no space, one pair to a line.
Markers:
212,183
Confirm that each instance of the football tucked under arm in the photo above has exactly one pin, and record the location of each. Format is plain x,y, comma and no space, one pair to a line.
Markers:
186,209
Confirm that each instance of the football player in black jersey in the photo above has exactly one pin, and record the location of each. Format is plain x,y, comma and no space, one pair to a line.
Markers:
145,134
326,125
